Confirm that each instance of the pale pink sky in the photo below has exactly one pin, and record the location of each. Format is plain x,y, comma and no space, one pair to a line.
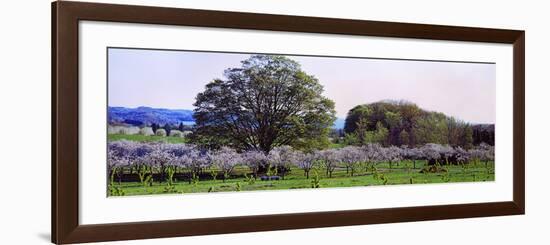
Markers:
171,79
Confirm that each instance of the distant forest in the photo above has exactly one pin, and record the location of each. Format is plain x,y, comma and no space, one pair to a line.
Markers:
403,123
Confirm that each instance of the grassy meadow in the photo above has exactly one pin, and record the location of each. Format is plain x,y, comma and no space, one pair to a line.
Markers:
146,138
403,174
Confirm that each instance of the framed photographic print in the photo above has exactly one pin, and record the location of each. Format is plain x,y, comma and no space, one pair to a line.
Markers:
175,122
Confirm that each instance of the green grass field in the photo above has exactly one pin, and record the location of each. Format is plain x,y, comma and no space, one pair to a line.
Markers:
398,175
145,138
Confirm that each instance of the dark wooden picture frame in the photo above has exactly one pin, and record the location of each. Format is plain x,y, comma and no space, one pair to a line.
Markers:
65,122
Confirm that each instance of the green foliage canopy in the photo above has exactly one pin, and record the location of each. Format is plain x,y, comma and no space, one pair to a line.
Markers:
267,102
403,123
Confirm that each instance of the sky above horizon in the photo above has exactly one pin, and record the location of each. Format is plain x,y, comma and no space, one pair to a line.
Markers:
172,79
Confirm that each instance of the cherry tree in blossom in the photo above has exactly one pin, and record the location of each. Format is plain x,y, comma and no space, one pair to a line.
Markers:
413,154
351,157
329,158
432,151
226,159
393,154
254,160
282,158
305,161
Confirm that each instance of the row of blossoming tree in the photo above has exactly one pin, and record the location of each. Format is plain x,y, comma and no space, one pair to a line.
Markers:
166,160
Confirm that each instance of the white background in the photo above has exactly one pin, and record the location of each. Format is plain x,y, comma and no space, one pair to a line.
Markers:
25,101
95,208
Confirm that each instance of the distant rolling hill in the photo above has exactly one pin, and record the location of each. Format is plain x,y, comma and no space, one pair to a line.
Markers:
146,115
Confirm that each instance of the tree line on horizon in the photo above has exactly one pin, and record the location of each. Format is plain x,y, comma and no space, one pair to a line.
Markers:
404,123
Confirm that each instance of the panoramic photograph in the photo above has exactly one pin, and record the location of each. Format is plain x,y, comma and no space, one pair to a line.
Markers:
183,122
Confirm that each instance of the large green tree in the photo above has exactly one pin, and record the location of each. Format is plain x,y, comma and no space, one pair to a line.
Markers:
269,101
404,123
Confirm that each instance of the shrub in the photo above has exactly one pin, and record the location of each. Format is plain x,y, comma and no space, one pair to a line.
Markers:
122,130
186,133
147,131
131,130
160,132
113,129
176,133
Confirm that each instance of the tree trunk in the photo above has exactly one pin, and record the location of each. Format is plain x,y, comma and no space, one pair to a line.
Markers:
151,181
162,173
122,172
